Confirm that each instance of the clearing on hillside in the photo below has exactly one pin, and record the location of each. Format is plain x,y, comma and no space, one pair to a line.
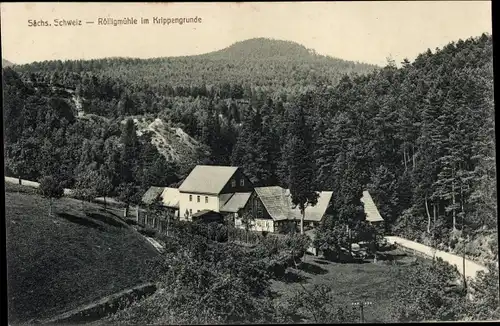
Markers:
58,263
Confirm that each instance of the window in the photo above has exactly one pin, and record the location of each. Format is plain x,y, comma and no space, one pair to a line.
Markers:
190,197
197,210
206,199
242,182
190,211
233,183
198,199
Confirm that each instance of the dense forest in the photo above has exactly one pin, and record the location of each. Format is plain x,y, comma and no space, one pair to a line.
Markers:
420,137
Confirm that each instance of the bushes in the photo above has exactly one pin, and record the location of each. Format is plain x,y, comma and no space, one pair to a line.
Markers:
485,289
131,221
147,231
319,305
14,187
428,291
205,282
280,252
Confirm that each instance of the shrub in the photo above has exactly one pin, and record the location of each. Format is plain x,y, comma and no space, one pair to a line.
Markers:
147,231
50,187
428,291
131,221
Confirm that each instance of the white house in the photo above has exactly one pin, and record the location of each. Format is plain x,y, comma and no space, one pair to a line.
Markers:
223,189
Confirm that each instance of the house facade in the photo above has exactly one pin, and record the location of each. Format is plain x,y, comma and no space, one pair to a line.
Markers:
212,188
226,190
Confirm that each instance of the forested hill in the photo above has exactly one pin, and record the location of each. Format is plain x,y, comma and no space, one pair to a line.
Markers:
270,65
420,137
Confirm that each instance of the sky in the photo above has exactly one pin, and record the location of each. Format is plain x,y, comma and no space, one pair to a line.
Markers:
359,31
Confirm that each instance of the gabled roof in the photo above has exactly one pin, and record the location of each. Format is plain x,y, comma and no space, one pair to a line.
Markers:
170,197
207,179
223,198
151,195
372,213
236,202
278,204
315,213
274,200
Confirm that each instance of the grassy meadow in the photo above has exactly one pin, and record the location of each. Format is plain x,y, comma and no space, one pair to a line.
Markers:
57,263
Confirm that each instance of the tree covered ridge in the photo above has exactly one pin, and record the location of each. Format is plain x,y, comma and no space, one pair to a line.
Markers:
421,138
264,63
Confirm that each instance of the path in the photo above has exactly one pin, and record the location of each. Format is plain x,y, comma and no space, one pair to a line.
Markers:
67,191
32,184
471,268
155,244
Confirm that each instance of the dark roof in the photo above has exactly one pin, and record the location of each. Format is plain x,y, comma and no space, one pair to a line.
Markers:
152,195
236,202
207,179
207,216
203,212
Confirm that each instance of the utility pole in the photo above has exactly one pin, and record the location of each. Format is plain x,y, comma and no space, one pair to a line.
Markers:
361,305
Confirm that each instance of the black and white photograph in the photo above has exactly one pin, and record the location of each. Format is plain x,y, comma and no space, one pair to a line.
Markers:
172,163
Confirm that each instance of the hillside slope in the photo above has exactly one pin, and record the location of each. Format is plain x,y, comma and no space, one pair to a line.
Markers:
6,63
172,142
57,263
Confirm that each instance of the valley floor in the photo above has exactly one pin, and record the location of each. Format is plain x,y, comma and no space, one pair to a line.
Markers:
354,282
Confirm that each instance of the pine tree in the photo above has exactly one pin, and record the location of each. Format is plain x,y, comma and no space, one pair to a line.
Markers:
302,169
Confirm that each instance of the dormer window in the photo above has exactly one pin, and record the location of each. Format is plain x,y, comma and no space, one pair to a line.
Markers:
242,182
233,183
190,197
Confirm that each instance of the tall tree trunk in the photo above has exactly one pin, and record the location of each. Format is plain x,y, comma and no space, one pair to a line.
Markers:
404,157
453,203
105,208
413,157
462,203
302,221
168,219
428,216
19,179
50,206
434,211
126,211
349,240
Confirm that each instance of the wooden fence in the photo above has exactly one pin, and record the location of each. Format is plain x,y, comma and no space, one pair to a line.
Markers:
162,221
